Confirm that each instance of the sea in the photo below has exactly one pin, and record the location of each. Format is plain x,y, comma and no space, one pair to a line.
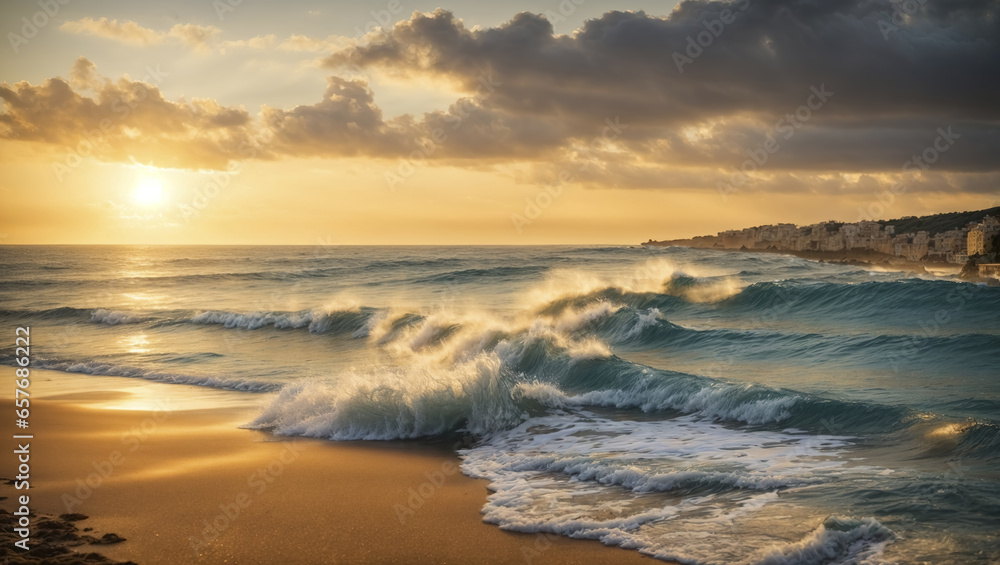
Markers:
701,406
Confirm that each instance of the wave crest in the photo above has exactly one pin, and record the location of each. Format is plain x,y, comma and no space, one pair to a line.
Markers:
837,540
395,404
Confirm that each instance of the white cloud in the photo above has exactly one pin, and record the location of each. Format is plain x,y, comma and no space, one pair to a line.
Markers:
258,42
313,45
195,36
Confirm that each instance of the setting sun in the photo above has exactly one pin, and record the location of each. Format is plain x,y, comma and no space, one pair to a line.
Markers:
148,192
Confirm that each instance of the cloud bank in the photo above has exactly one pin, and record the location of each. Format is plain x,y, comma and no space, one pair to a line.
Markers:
828,95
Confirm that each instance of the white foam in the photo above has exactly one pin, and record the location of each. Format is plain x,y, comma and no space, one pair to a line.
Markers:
547,394
838,540
316,321
471,334
572,320
113,317
252,320
587,349
395,403
430,331
677,489
644,320
714,400
650,276
371,323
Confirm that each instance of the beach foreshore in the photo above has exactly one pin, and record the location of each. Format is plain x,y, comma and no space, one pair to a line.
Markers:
182,483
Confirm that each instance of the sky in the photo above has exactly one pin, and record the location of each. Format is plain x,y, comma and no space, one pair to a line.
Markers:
528,122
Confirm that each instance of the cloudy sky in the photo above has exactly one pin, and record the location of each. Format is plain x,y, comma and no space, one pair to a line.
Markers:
548,121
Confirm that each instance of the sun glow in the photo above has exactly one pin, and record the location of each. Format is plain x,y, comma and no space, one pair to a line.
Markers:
148,192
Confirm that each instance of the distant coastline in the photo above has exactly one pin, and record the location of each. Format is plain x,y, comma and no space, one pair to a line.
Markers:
858,257
956,243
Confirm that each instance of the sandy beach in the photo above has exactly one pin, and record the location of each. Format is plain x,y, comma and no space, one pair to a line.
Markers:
183,484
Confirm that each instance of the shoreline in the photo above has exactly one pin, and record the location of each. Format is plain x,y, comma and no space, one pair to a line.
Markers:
853,257
182,483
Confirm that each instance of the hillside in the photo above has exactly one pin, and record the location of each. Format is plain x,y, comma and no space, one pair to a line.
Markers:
937,223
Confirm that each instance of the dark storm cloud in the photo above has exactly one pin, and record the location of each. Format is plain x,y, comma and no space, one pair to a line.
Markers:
840,85
940,66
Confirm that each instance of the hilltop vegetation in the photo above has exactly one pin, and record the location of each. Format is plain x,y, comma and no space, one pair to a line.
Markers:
938,223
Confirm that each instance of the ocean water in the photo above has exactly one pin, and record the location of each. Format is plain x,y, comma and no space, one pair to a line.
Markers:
702,406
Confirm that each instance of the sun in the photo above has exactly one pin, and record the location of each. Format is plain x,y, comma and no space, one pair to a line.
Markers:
148,192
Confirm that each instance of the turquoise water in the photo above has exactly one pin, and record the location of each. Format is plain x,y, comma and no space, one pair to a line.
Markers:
704,406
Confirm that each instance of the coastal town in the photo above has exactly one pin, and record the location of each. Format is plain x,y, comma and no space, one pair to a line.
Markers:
978,240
